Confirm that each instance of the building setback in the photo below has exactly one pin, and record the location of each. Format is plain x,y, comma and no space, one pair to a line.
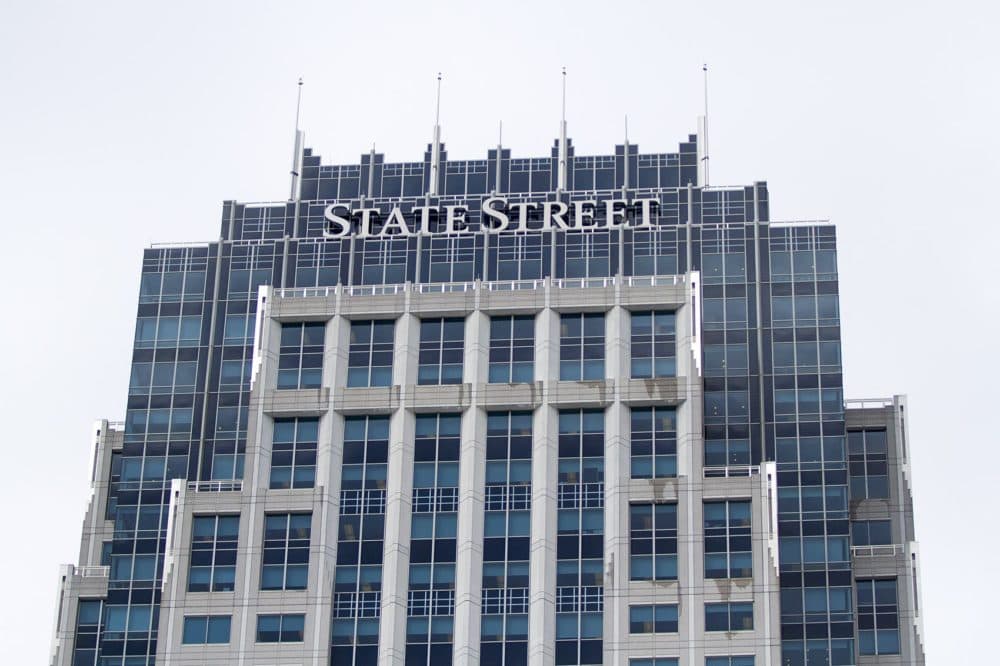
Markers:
547,411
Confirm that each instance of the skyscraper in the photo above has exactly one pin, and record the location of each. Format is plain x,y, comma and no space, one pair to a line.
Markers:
548,411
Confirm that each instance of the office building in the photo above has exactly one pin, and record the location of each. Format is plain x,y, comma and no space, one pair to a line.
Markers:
525,411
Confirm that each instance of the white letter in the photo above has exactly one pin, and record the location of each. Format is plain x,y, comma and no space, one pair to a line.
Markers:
522,212
395,225
558,216
584,212
615,208
496,214
366,221
645,205
331,216
425,218
455,215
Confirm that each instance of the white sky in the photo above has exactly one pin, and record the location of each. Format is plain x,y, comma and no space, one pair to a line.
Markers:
125,123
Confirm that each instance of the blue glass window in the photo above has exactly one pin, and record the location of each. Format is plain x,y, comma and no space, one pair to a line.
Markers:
512,349
742,660
654,442
300,358
357,595
655,619
653,541
214,541
868,463
293,453
581,346
654,345
878,616
507,540
727,540
287,628
729,616
369,360
871,532
206,629
442,351
286,551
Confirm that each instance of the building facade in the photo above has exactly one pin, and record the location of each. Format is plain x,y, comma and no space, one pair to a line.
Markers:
549,411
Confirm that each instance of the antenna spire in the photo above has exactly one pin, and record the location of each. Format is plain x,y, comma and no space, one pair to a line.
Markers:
562,137
436,144
297,152
703,139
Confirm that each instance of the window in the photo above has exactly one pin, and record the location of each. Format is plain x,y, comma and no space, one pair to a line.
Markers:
729,616
512,349
580,539
442,349
878,616
868,464
653,541
357,586
288,628
213,553
657,619
286,551
654,442
293,453
654,345
871,532
726,452
744,660
206,629
581,346
88,628
659,661
727,540
507,541
431,602
238,329
300,358
369,360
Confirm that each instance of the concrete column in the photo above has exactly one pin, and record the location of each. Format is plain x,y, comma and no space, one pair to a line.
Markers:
544,495
399,495
472,482
617,471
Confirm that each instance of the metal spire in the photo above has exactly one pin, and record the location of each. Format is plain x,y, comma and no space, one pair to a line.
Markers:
703,135
297,155
436,146
625,184
562,137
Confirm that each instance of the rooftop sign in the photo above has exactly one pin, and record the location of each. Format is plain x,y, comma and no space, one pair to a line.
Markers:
497,215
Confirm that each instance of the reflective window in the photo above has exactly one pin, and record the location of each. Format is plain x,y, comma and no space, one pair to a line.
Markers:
206,629
868,463
654,345
300,358
293,453
512,349
442,351
878,616
286,551
369,360
581,346
727,540
213,553
653,541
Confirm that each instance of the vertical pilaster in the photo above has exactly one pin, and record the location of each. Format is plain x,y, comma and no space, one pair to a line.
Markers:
399,493
616,485
472,481
544,489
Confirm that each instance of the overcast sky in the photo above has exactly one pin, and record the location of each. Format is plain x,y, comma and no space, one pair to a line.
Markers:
126,123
